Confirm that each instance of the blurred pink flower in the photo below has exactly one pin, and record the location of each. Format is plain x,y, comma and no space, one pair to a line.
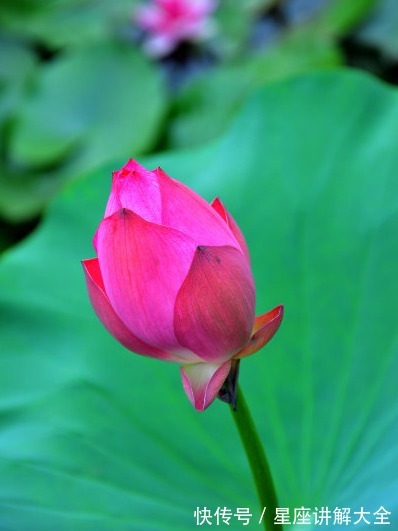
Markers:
173,280
168,22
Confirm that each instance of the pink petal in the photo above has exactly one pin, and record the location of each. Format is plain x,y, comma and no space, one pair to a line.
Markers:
186,211
192,8
137,189
202,381
264,328
161,44
214,309
229,220
201,8
171,5
167,22
110,320
143,266
149,17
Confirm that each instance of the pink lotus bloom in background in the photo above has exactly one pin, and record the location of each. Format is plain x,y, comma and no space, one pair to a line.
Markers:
173,280
168,22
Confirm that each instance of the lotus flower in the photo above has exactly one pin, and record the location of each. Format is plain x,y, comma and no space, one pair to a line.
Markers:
169,22
173,280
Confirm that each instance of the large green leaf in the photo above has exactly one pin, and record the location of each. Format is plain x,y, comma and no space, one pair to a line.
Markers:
299,46
77,118
91,97
222,90
234,24
17,64
64,22
96,438
339,16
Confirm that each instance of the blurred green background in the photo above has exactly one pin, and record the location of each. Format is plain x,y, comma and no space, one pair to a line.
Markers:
289,113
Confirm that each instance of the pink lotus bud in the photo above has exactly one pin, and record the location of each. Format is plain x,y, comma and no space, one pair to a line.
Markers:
173,280
168,22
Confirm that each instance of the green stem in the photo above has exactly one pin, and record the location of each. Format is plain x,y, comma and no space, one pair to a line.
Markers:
257,460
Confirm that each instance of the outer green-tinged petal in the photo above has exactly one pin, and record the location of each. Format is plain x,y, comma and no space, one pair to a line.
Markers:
202,381
264,328
214,309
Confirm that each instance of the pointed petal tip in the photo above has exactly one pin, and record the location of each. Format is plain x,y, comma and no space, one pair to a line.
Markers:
219,207
161,173
87,263
93,275
265,327
217,203
276,314
202,382
131,166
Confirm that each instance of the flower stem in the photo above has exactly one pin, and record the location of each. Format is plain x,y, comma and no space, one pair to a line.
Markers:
257,460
